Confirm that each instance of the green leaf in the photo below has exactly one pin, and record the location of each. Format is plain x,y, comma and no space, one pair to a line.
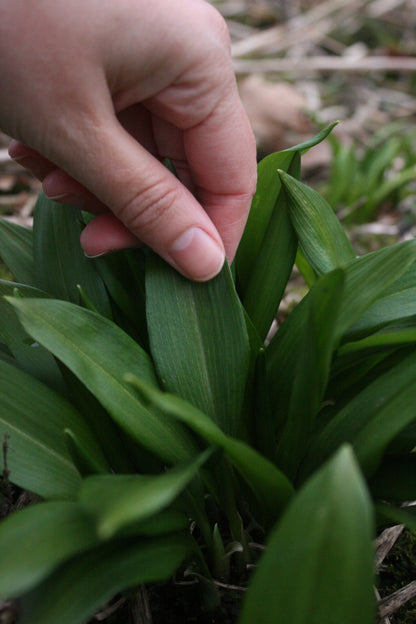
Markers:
198,340
404,515
305,146
31,357
16,250
34,418
100,354
261,283
123,275
366,279
271,487
84,462
385,340
312,371
318,564
371,419
321,236
397,302
60,263
115,501
76,590
262,209
34,541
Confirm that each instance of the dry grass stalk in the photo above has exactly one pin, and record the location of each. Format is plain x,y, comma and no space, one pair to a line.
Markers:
326,63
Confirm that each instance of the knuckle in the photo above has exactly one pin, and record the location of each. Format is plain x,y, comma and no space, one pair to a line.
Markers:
143,212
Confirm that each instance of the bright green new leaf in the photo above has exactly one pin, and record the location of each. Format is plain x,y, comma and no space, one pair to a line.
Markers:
60,264
115,501
271,487
318,564
100,354
36,540
34,418
321,236
77,589
16,250
198,341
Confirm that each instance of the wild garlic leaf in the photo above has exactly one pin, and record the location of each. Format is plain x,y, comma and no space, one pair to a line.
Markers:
321,236
198,341
81,586
318,564
100,354
34,421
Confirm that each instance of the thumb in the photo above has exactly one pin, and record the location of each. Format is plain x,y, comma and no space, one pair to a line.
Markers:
148,200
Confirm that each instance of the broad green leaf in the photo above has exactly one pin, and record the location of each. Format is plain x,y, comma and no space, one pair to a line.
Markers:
371,419
161,523
366,279
271,487
100,354
36,540
31,357
266,253
397,302
395,478
272,269
261,289
262,208
115,501
198,340
60,263
16,250
312,371
78,588
34,417
318,564
321,236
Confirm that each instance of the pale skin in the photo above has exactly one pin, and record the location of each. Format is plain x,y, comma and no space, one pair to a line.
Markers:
96,93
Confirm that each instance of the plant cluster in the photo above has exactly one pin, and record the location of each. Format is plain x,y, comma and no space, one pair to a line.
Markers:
166,437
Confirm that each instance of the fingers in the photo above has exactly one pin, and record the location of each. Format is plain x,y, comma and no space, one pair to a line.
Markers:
221,152
151,203
57,184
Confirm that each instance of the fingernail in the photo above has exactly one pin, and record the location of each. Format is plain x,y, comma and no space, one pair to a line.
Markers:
197,255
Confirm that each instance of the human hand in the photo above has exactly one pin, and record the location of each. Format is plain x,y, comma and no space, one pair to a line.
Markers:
97,93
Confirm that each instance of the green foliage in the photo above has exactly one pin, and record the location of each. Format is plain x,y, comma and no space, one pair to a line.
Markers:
362,178
139,405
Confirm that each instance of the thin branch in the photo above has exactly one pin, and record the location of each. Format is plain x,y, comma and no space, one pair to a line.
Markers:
326,64
386,541
296,27
390,604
